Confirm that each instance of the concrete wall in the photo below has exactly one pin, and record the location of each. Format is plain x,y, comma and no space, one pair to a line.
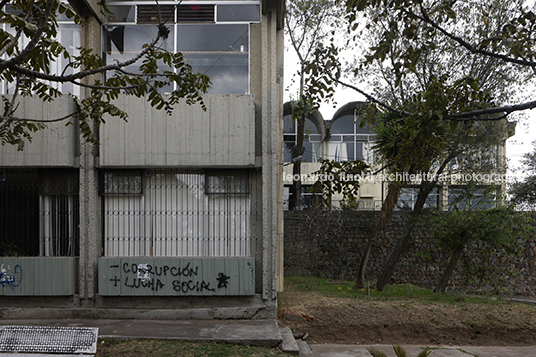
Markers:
330,244
223,135
54,146
32,276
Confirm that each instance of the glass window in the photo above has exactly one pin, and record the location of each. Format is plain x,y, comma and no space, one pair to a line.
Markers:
39,213
355,144
460,198
312,143
343,125
408,198
122,14
68,35
239,13
219,51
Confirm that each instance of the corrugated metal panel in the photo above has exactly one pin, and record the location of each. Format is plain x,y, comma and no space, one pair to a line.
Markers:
53,146
38,276
224,135
139,276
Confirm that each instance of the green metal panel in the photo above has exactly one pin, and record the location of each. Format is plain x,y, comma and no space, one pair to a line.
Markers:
148,276
38,276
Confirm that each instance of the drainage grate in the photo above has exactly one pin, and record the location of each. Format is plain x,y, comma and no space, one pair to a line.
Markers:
47,339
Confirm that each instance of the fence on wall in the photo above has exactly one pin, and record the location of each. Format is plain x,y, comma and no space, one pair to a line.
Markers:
166,213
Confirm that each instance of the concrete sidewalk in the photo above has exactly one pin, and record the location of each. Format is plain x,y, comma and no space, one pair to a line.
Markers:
255,333
250,332
442,351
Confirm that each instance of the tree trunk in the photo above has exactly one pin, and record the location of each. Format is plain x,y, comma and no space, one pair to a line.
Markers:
295,198
389,268
426,188
387,209
443,282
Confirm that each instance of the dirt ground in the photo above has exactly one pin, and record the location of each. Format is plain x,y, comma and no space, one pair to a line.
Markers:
361,321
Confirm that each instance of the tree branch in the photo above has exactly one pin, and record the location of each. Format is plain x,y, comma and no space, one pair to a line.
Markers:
465,44
45,120
369,97
23,56
82,74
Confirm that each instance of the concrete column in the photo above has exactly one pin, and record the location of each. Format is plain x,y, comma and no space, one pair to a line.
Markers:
90,217
280,50
271,104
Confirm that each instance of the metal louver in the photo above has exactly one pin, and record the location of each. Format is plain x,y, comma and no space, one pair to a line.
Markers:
196,13
150,14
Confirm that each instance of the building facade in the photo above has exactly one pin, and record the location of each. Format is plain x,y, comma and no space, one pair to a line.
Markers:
176,216
342,138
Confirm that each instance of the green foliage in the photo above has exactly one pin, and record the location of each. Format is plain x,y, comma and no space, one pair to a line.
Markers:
523,192
402,292
161,348
485,234
339,178
28,70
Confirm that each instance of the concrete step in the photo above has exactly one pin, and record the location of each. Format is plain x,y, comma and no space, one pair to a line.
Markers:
305,350
289,344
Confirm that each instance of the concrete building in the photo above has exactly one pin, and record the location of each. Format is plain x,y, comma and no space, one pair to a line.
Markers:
342,139
170,216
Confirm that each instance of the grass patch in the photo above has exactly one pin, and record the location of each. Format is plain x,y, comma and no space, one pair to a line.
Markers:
167,348
391,292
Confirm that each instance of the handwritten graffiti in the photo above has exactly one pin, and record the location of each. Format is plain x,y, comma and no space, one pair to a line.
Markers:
178,277
187,286
222,280
10,279
148,269
144,283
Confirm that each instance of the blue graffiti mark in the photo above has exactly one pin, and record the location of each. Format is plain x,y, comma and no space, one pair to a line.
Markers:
10,280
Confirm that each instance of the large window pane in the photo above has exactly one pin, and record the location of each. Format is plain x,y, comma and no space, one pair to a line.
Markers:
219,51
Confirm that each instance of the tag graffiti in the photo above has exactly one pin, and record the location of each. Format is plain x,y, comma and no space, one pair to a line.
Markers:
10,278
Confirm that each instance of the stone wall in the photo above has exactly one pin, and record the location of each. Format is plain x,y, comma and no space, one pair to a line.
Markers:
330,244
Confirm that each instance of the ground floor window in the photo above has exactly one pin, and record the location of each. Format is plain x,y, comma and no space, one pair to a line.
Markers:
39,213
176,213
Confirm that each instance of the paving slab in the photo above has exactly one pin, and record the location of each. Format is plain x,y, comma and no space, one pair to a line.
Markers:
249,332
329,350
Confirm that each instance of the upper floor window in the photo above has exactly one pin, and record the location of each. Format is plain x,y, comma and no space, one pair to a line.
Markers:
312,142
68,35
214,38
350,142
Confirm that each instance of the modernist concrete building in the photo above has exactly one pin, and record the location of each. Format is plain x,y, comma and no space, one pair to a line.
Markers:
170,216
342,139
